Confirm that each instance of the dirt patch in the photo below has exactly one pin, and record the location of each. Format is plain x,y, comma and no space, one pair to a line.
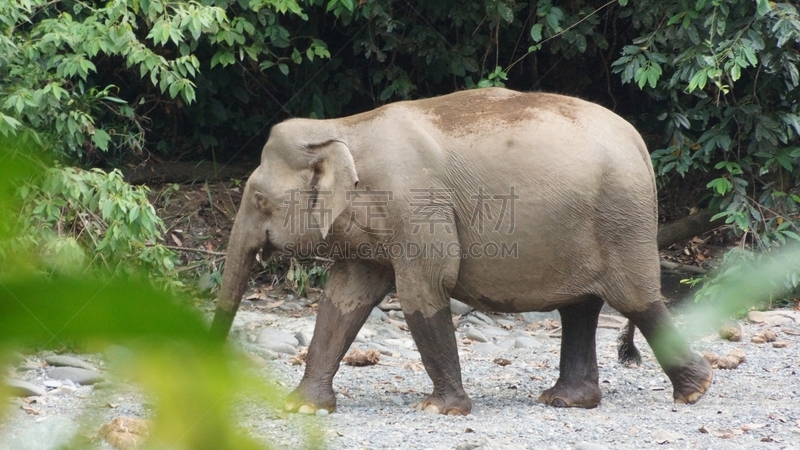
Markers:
461,113
198,216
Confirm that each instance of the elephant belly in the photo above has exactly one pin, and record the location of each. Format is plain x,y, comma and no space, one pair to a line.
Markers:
514,285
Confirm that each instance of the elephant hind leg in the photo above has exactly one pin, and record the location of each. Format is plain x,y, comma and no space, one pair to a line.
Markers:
578,379
689,373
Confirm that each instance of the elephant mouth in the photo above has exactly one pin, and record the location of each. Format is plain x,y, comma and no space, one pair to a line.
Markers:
267,250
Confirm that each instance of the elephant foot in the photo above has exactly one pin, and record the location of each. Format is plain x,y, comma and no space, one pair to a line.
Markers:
572,395
691,381
306,400
452,405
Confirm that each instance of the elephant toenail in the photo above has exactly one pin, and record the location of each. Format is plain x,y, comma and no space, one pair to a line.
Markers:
433,409
306,409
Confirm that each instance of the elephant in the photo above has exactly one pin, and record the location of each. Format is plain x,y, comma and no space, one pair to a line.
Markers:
507,201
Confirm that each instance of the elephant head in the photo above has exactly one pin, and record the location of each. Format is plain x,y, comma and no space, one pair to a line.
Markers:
292,197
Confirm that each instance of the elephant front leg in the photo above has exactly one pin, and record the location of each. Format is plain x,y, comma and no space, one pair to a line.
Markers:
436,341
578,379
427,311
352,290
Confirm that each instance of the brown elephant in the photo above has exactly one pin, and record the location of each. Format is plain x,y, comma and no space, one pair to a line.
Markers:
506,201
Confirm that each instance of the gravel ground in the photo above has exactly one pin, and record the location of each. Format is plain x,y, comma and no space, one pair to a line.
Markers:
756,405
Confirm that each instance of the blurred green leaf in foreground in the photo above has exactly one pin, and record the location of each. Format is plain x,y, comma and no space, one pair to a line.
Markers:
193,381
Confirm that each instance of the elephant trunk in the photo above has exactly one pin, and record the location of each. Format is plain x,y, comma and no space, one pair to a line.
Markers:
239,263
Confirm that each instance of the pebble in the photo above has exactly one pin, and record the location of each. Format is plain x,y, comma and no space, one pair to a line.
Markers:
63,391
475,321
542,336
519,333
494,331
322,412
489,444
257,360
117,354
475,335
280,347
21,388
268,337
484,317
76,375
389,333
384,350
16,358
68,361
52,384
486,348
506,323
377,314
27,366
366,333
527,342
397,400
538,316
459,308
84,391
302,340
507,344
589,446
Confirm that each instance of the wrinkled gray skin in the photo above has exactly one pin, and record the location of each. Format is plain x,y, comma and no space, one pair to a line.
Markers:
584,226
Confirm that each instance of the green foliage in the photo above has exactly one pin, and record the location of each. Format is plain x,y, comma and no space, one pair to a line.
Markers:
301,276
724,79
712,83
161,345
55,55
78,218
747,280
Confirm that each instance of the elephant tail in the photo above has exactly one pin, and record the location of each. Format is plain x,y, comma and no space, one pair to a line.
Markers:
627,352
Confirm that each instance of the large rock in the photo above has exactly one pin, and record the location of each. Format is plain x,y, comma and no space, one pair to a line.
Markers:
301,339
484,318
377,314
68,361
486,349
475,334
280,347
776,317
50,434
538,316
269,337
506,344
19,388
527,342
76,375
458,308
494,331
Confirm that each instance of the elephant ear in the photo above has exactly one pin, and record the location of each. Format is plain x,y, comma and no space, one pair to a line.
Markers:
334,174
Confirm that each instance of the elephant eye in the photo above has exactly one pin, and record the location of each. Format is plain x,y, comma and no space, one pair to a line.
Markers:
262,203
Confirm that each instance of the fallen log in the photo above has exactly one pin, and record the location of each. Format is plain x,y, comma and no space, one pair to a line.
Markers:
687,227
